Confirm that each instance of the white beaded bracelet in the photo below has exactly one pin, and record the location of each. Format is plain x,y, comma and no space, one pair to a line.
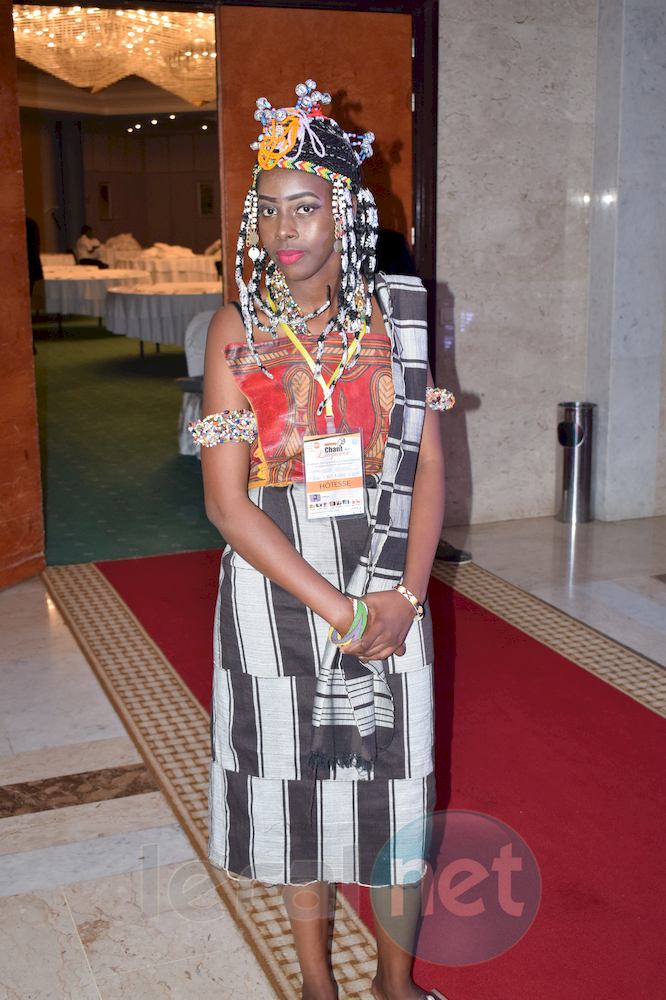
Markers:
412,598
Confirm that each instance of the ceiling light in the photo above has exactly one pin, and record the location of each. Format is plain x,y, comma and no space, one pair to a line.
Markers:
108,49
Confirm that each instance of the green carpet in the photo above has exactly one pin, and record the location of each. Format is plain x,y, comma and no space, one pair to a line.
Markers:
114,483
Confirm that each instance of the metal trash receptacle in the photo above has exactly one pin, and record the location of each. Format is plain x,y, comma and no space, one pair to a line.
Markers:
575,426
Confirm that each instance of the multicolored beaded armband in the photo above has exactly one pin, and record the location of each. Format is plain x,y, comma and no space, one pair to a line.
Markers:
439,399
229,425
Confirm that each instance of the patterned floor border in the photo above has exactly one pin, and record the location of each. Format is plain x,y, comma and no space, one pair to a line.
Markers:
633,674
171,730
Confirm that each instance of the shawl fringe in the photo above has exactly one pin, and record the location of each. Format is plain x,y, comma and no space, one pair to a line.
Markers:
318,759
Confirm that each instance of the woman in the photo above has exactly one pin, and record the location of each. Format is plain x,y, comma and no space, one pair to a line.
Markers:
314,391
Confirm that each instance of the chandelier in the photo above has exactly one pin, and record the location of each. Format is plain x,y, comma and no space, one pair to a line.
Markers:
93,48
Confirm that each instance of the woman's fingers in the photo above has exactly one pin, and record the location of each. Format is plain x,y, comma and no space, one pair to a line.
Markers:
371,638
379,640
375,650
380,651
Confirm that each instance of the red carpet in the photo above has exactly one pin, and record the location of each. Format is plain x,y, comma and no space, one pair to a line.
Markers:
174,599
570,763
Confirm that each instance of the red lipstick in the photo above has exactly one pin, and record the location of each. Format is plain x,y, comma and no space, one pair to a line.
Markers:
289,256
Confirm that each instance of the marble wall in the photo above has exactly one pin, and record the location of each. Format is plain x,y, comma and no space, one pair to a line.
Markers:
628,259
515,148
660,507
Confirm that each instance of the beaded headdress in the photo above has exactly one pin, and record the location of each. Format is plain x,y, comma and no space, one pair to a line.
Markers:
303,138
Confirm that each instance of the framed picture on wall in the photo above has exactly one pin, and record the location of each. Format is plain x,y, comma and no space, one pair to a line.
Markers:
104,207
206,198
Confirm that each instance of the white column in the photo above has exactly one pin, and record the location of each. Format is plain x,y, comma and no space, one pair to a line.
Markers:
628,256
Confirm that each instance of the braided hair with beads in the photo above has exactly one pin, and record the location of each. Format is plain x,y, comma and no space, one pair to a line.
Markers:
303,138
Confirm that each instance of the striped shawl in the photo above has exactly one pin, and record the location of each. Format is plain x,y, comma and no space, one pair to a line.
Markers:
353,714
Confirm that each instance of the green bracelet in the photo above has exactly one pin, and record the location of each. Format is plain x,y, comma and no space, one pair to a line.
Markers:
357,627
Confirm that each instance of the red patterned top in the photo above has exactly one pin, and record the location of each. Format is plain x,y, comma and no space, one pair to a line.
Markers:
286,405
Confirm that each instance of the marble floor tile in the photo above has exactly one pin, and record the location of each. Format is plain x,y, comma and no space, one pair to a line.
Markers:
601,573
641,609
42,956
49,867
39,656
214,976
69,759
134,897
648,586
24,605
127,924
541,550
65,714
30,619
36,831
66,703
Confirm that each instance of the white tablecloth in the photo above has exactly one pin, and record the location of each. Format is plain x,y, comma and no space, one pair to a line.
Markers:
159,313
189,268
82,290
57,259
120,257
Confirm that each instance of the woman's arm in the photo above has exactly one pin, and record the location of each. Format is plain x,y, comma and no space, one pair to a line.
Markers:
427,513
250,532
391,616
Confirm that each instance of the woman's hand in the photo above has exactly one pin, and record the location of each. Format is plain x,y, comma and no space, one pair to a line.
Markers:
390,618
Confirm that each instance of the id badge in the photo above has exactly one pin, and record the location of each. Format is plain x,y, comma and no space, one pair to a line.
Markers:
334,475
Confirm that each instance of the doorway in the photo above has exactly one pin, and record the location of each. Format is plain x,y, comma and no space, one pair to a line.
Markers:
137,165
403,33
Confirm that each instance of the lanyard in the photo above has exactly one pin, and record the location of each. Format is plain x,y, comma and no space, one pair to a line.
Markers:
293,337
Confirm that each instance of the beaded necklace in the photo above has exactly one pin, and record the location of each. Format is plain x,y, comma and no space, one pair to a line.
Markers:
287,314
284,308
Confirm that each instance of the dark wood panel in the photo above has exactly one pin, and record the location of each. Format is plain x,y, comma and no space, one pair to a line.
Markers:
21,528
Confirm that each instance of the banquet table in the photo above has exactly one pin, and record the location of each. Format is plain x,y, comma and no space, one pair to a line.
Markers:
82,291
159,313
57,259
170,267
121,257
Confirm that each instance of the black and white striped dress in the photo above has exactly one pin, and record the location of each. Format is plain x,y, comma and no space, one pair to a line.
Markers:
271,818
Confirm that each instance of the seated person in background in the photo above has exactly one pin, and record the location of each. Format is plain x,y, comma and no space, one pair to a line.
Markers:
88,249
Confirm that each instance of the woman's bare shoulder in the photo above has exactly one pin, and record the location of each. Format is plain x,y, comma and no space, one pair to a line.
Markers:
226,326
